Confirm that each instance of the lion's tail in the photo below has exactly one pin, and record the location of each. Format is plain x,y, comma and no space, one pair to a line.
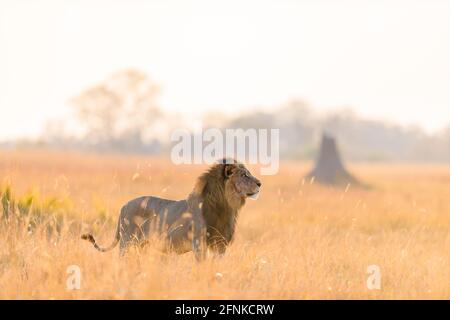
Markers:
90,238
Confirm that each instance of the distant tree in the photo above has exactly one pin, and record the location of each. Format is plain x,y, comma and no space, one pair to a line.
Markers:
444,139
121,109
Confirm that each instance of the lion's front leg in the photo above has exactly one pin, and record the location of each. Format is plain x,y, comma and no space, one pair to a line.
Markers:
199,246
218,247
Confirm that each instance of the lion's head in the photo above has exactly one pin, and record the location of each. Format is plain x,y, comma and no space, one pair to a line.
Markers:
240,181
220,192
227,181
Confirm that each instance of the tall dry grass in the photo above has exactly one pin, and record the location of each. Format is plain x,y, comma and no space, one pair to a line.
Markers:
298,241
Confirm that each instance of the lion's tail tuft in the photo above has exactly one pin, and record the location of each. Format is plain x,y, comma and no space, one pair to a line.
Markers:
88,237
91,239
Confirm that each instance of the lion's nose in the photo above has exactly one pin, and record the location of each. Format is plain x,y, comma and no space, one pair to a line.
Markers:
258,183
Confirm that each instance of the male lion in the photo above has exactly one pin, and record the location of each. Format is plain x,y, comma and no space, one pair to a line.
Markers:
206,219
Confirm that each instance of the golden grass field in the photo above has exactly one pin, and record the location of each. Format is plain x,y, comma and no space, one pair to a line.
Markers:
297,241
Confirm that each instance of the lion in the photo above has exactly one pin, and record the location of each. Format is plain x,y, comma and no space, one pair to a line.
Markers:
205,220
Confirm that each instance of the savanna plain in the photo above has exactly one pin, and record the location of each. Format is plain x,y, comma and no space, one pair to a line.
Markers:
299,240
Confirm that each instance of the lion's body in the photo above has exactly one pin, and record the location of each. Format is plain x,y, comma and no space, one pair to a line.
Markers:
207,218
144,216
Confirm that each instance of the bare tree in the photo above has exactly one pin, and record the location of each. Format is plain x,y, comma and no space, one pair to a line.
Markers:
121,109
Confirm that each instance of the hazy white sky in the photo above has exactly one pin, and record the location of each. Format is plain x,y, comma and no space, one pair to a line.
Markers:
386,59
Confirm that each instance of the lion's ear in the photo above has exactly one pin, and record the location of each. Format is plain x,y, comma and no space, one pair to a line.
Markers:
227,161
229,170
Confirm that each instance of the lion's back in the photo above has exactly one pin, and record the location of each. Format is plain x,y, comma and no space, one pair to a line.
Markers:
166,211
